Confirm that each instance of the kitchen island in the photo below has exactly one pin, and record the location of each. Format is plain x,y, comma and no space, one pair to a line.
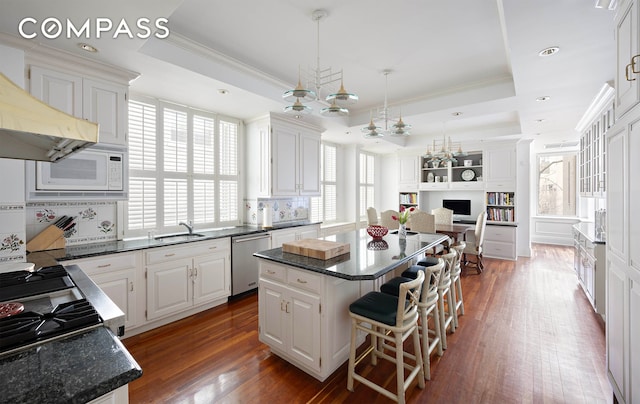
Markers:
304,302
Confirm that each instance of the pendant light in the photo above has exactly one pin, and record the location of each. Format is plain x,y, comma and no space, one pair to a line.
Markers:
398,128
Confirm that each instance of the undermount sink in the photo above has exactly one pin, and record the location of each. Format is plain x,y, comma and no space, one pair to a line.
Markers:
179,237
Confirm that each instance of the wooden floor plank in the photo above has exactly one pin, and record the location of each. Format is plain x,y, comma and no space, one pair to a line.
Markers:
529,335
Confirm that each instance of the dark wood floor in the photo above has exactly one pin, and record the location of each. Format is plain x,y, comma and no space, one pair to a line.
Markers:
529,336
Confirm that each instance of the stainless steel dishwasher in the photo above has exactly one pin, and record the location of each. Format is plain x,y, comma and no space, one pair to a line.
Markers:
244,266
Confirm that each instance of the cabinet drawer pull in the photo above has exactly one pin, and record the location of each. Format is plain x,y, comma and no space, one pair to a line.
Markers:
131,286
301,281
169,255
633,64
213,248
270,272
104,266
626,73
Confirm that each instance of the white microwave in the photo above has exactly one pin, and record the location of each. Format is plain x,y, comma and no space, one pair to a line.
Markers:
97,172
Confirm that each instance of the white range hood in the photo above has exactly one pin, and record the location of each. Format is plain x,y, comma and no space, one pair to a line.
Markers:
33,130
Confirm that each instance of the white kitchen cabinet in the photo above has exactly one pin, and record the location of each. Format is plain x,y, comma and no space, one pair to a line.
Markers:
447,176
626,81
117,396
302,317
183,276
408,172
117,276
500,242
278,237
500,168
285,160
96,100
622,256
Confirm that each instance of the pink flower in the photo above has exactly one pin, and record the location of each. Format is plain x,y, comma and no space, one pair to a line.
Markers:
404,214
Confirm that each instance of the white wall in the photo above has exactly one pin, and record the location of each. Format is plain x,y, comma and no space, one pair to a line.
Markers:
433,199
523,193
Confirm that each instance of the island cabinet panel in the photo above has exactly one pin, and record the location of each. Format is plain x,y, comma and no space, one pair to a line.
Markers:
302,317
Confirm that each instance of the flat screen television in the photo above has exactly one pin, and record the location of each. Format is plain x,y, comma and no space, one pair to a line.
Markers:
458,206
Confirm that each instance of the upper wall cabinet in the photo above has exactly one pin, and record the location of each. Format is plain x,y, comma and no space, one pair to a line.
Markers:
628,58
283,158
409,173
96,100
500,168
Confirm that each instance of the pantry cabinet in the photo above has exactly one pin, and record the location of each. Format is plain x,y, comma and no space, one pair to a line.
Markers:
284,158
500,168
628,61
96,100
181,277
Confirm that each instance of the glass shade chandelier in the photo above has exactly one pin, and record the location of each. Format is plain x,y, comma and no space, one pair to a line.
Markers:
397,128
318,77
444,151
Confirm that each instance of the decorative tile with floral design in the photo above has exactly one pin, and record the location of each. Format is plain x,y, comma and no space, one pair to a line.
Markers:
87,214
45,215
106,226
11,243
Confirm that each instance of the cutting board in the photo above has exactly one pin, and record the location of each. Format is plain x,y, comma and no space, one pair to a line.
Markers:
314,248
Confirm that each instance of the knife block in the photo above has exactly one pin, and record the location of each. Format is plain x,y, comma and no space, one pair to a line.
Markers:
50,238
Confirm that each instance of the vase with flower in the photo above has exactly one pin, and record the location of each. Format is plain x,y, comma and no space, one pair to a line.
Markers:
402,219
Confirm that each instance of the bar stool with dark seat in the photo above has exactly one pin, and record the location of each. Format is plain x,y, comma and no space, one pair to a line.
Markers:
392,319
456,283
428,307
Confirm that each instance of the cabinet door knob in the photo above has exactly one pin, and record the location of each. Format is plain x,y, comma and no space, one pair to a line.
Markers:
169,255
301,281
104,266
633,64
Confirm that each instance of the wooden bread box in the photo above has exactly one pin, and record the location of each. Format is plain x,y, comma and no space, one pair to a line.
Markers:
314,248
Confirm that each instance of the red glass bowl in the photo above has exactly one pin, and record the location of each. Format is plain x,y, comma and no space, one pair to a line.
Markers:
377,231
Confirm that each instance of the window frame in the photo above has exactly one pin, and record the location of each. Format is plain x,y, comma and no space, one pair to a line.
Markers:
322,199
575,200
159,175
369,186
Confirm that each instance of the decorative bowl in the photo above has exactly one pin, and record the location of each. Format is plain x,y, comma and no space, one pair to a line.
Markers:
377,245
377,231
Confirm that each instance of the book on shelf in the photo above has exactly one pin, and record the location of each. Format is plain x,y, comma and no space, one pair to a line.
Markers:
409,199
500,198
500,214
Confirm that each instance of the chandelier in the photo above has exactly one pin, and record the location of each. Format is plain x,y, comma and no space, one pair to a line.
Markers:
397,128
444,151
319,77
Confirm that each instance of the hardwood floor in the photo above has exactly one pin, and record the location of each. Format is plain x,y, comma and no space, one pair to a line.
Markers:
529,335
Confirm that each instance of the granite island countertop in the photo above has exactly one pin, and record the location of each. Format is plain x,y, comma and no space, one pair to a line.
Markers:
368,259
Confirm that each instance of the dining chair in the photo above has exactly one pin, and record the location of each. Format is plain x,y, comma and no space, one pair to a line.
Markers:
474,239
372,215
387,221
423,222
443,215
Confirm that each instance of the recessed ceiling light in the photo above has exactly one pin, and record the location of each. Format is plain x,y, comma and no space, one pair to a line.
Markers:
223,91
549,51
456,113
539,120
87,47
543,98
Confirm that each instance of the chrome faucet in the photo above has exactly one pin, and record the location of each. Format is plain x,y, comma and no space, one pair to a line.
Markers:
189,226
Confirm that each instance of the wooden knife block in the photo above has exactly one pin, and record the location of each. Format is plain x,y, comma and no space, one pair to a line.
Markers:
50,238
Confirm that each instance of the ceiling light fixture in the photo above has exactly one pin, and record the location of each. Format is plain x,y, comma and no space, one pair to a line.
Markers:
445,151
87,47
223,91
319,78
552,50
398,128
543,98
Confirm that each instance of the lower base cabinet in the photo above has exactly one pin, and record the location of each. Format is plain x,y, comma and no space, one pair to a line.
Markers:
184,276
117,396
303,317
500,242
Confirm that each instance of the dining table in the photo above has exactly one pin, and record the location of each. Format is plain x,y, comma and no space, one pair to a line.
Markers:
455,231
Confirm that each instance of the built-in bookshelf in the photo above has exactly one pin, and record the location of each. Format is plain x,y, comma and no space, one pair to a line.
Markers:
501,207
408,199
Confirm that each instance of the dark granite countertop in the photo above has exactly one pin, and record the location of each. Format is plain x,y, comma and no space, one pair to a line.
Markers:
75,369
51,257
588,229
368,259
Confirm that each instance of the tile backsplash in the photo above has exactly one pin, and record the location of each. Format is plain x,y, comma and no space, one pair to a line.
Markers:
94,221
12,233
281,209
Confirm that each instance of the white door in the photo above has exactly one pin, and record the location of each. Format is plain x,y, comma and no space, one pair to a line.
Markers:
284,161
500,169
409,172
169,288
211,277
59,90
627,42
304,322
616,313
120,287
309,175
616,196
105,104
271,314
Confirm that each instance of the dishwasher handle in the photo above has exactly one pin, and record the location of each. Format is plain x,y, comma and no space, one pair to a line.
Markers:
243,239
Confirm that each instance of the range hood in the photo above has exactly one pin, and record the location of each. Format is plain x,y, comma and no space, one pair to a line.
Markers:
33,130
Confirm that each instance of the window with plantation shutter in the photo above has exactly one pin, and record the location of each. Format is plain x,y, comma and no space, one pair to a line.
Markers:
323,208
367,185
183,165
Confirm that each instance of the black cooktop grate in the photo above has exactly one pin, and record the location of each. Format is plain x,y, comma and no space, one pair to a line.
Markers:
17,284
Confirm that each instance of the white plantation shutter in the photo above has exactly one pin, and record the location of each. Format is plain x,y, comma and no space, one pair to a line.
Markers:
142,203
183,165
367,185
175,201
204,201
142,136
175,141
323,207
203,145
